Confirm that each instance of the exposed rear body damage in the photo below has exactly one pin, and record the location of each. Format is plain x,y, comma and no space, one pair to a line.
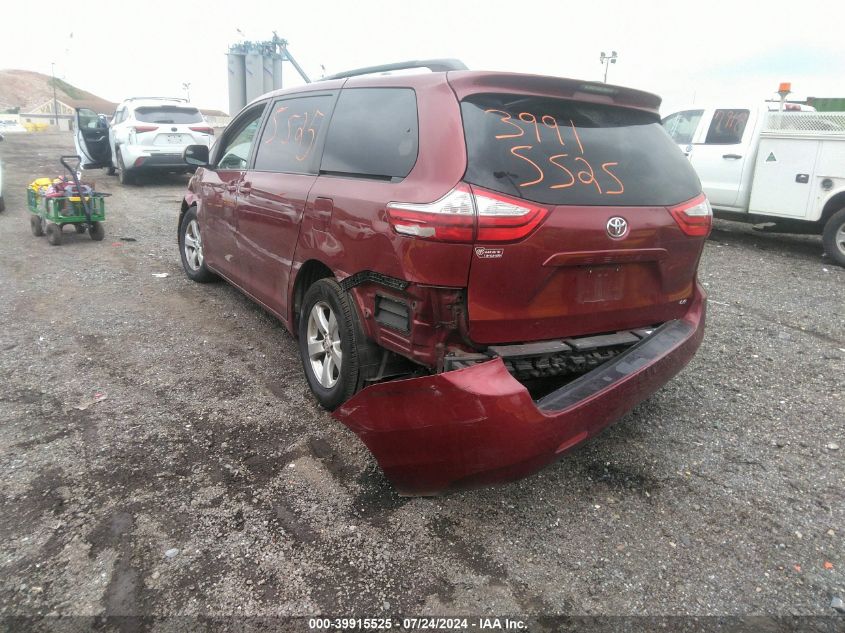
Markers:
478,426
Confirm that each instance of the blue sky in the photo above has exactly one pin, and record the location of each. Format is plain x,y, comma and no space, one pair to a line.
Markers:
682,50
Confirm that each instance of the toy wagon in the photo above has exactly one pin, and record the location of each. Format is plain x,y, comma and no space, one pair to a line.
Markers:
54,203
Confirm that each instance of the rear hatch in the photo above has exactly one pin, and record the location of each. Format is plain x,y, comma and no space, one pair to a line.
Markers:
608,252
171,126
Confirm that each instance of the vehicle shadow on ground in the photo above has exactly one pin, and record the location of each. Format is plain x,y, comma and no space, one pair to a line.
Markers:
106,182
790,244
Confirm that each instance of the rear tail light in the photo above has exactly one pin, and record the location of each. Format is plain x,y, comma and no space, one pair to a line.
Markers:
449,219
694,217
505,219
145,128
203,130
467,214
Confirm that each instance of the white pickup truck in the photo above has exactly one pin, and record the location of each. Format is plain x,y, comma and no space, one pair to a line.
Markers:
785,170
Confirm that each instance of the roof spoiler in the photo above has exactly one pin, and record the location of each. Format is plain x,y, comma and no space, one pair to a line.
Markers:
434,65
157,99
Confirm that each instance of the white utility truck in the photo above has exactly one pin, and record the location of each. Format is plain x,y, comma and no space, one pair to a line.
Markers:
783,170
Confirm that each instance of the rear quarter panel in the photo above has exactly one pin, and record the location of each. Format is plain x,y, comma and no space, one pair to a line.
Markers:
359,237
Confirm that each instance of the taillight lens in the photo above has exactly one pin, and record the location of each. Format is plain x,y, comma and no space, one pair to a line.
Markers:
145,128
505,219
203,130
694,217
467,214
449,219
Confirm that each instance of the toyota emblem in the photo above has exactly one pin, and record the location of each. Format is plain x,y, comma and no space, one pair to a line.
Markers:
617,227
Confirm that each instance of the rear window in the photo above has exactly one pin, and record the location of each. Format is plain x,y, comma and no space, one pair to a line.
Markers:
555,151
727,127
167,114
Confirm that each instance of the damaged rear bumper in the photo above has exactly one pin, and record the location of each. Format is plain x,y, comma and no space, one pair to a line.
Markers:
478,426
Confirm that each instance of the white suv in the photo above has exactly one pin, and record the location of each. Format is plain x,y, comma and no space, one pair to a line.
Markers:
146,134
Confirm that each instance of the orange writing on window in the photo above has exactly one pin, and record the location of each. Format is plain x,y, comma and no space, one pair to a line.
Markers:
312,132
290,118
605,168
562,185
583,172
507,119
528,160
275,123
552,125
577,138
587,177
532,119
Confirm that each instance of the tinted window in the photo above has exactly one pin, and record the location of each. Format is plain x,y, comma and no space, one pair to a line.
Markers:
238,140
555,151
727,127
374,133
681,126
292,135
167,114
88,119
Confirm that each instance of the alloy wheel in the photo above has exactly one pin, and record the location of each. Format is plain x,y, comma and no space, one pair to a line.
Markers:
193,246
323,340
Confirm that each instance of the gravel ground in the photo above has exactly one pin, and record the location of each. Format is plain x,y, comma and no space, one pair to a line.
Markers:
208,482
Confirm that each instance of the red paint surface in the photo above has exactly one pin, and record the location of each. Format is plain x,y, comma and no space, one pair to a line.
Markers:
479,426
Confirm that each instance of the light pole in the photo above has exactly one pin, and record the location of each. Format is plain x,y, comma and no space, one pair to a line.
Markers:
607,60
186,86
55,101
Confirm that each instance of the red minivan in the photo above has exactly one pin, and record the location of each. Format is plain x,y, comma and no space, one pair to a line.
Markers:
483,269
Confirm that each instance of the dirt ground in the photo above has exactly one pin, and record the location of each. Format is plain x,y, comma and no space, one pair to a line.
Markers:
208,482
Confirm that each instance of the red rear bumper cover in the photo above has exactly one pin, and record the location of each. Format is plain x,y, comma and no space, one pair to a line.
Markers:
477,426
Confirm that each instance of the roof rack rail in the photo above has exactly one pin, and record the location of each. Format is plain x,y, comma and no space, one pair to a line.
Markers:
156,99
434,65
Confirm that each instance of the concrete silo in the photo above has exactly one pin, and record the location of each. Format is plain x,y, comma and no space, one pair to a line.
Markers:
255,68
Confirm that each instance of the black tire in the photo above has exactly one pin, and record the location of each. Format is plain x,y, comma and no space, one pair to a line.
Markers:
833,237
54,234
79,228
36,225
2,204
97,232
124,177
359,355
195,268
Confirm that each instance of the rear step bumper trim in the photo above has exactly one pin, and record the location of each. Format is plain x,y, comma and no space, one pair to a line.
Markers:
479,426
547,348
647,351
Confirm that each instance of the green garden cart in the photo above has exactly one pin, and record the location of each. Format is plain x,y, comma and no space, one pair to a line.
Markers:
55,203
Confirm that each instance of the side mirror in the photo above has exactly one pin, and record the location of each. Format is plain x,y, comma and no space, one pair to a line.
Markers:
196,155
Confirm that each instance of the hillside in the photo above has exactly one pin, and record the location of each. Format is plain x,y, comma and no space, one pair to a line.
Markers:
26,89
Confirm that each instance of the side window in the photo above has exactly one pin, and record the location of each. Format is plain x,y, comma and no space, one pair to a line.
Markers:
234,154
88,119
681,126
727,127
374,134
292,135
